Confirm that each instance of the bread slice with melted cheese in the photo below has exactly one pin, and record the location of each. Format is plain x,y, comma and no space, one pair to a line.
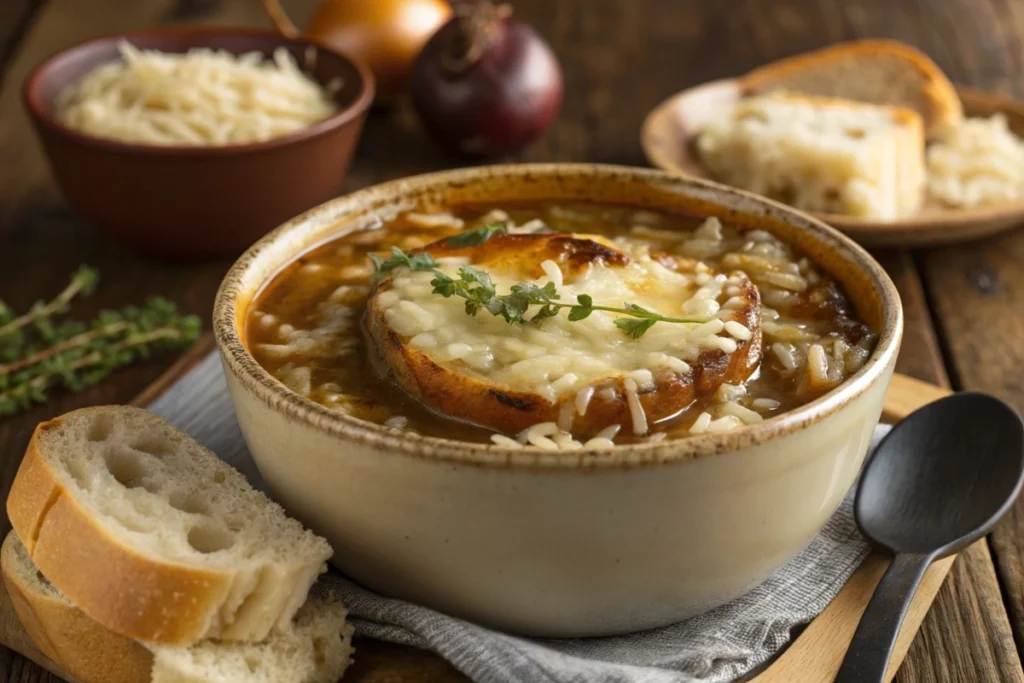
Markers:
585,374
821,154
882,72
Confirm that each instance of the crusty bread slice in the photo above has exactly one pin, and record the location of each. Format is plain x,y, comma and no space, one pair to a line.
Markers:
873,71
153,536
821,154
315,648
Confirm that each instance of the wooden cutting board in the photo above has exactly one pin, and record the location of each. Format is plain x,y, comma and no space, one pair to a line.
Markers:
814,657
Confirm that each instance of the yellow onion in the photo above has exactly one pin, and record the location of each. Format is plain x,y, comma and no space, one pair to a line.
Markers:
386,35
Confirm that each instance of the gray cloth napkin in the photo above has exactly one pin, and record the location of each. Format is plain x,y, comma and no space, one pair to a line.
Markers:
722,645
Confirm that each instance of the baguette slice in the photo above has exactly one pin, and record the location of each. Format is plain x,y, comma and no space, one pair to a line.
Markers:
872,71
153,536
315,648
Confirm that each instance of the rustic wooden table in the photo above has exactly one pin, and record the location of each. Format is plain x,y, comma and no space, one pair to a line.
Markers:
964,305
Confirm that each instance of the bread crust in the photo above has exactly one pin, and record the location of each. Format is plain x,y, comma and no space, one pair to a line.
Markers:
486,404
89,653
82,647
128,593
943,110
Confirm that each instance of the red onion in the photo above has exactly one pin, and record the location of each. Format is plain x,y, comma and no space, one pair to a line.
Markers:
486,85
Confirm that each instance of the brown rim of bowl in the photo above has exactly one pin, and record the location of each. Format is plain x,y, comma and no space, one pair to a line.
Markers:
279,398
42,112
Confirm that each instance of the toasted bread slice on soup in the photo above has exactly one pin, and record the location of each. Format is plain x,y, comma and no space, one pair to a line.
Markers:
586,374
314,648
821,154
153,536
874,71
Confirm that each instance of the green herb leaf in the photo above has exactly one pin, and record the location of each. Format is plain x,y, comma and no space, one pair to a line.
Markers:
635,327
579,313
443,285
472,238
546,311
418,261
583,308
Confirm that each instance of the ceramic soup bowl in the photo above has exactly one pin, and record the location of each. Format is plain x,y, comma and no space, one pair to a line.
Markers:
561,544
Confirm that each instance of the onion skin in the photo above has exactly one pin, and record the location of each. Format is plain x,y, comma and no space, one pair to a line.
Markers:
496,105
386,35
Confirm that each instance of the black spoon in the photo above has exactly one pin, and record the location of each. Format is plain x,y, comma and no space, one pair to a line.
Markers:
939,481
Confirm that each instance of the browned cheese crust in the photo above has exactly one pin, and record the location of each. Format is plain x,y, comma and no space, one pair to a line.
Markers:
466,397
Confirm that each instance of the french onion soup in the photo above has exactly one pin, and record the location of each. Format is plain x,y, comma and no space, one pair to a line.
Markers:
561,326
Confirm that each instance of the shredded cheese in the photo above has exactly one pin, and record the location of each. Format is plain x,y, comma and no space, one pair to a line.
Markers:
204,97
557,358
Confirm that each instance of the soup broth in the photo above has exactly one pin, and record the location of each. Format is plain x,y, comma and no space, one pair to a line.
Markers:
308,326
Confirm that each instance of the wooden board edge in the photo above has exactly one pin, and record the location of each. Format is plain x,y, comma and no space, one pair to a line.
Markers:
814,656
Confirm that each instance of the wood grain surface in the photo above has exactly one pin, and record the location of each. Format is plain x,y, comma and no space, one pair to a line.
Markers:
964,304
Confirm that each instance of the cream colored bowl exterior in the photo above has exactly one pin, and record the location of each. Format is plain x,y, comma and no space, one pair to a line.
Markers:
562,551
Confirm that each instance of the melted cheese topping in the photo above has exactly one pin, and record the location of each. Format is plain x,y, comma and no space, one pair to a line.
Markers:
555,357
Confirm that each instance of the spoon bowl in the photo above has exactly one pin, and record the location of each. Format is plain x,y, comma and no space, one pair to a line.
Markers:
942,479
939,481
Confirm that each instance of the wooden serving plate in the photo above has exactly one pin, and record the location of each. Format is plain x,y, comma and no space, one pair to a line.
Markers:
670,129
814,657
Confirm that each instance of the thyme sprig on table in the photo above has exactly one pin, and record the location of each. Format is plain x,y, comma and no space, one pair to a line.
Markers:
12,328
38,352
478,289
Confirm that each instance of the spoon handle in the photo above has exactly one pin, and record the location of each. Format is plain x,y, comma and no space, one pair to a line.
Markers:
868,655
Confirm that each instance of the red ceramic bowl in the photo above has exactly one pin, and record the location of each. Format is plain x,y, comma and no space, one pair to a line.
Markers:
197,202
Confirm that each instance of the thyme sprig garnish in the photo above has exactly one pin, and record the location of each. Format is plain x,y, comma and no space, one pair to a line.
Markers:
38,352
478,290
12,333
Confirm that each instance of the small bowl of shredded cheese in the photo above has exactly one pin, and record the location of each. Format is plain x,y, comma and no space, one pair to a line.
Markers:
192,143
201,97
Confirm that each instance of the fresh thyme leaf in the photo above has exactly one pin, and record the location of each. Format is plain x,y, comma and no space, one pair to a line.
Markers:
577,313
472,276
635,327
472,238
546,311
418,261
443,285
583,308
87,279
